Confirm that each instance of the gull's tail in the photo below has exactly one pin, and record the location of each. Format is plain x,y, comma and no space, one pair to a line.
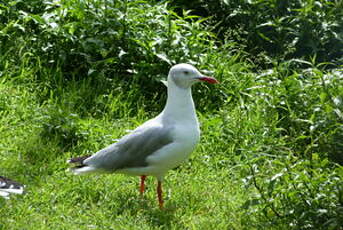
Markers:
8,186
79,166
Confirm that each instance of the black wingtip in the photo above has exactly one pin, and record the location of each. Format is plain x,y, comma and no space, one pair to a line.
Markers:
6,183
78,161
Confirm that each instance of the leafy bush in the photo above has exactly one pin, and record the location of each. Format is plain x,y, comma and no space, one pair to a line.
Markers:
284,132
279,29
309,107
107,43
108,38
303,194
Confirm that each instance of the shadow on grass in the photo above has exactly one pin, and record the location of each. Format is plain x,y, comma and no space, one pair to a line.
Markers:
165,217
145,208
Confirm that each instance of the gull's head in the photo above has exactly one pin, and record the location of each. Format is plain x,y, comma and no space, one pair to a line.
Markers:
185,75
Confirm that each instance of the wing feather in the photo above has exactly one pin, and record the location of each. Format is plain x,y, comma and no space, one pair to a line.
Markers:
131,150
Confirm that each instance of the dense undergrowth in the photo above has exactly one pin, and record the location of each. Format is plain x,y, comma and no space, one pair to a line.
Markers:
282,30
76,74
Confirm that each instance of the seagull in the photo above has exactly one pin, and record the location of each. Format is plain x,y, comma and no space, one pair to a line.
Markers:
159,144
8,186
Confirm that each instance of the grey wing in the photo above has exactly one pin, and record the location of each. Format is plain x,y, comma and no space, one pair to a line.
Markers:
132,149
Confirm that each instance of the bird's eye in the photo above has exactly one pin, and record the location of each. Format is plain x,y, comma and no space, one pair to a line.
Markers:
186,72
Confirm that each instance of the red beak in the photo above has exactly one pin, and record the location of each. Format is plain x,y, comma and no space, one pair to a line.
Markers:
210,80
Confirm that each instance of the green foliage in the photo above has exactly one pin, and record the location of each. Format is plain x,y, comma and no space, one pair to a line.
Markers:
303,194
63,125
75,75
309,108
290,128
103,42
281,29
88,38
280,132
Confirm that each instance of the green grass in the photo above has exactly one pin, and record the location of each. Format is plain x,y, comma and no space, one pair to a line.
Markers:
197,194
214,189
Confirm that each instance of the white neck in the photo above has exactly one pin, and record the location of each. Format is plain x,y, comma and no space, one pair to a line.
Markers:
180,105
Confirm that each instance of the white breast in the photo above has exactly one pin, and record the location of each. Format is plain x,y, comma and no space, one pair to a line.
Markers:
172,155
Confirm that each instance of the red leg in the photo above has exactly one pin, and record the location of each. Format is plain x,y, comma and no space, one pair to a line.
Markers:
159,194
142,184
